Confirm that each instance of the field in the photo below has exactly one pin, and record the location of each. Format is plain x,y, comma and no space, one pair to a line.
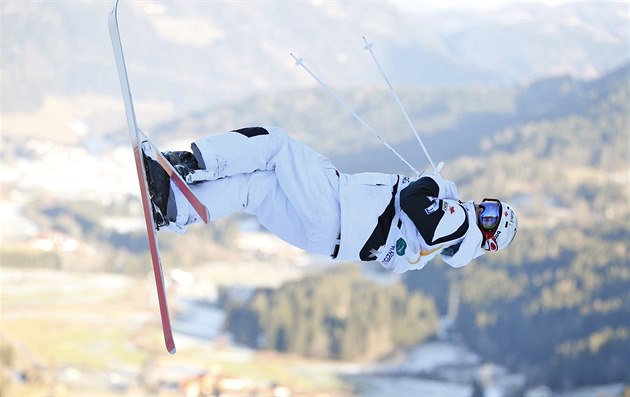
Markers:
96,333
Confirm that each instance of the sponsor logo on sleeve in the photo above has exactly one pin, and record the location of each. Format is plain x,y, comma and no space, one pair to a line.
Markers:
401,247
390,254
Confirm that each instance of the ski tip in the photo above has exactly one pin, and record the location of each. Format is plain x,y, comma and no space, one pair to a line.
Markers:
170,346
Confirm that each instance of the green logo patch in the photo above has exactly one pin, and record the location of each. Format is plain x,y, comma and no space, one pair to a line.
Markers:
401,246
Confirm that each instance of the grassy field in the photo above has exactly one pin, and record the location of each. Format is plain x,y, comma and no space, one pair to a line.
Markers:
103,324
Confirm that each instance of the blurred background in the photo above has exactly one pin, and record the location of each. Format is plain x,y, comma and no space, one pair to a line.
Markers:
524,101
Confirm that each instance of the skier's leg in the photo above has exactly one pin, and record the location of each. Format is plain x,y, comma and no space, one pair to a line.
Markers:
311,184
260,194
241,151
303,173
225,196
307,178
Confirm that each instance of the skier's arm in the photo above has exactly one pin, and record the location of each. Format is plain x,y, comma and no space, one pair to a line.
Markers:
422,201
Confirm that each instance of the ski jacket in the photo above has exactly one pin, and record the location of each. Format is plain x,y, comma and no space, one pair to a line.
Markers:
405,222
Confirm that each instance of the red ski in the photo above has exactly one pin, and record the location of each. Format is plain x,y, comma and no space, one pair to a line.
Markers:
141,145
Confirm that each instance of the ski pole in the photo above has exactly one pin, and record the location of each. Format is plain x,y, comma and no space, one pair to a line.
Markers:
368,46
299,62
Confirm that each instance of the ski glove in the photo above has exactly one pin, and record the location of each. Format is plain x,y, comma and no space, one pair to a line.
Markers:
448,189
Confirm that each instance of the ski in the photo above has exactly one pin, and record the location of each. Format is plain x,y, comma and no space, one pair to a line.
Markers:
144,188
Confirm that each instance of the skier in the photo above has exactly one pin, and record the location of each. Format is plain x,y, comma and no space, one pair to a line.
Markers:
298,195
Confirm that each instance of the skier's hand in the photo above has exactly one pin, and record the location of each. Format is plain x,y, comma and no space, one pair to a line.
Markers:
448,189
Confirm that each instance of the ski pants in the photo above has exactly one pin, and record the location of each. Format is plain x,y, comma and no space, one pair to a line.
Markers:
290,188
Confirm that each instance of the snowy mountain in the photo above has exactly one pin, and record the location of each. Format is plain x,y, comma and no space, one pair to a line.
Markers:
186,55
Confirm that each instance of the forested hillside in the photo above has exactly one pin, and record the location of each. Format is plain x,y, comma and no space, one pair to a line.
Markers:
557,303
339,315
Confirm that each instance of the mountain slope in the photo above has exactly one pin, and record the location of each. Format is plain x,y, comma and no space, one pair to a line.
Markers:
188,54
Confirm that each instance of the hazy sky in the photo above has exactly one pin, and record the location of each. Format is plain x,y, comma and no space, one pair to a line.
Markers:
429,6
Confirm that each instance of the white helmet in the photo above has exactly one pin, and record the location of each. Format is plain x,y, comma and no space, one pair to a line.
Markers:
497,222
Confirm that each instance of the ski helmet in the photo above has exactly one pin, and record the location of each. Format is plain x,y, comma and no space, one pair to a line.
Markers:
498,224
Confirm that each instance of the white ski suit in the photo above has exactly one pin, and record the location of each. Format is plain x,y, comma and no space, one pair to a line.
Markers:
298,195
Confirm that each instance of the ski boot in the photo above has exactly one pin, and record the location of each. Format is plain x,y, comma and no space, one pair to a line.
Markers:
161,194
184,163
190,166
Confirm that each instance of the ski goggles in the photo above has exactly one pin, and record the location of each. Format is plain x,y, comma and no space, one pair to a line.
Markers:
489,217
